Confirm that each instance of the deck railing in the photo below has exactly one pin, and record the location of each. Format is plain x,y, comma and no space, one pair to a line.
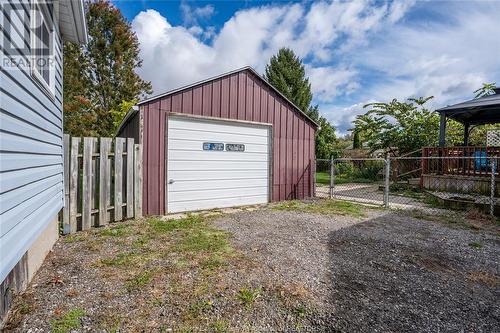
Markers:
466,161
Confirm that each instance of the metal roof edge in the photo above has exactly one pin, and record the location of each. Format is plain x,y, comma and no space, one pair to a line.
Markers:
246,68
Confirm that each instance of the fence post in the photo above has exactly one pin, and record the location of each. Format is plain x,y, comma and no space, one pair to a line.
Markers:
332,174
387,180
492,192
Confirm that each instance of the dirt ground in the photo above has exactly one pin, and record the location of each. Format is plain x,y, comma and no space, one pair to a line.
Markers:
316,266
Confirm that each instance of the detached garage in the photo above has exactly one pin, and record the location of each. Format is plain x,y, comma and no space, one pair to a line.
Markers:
227,141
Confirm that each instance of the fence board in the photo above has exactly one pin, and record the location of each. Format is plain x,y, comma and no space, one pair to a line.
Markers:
118,178
87,183
130,178
138,180
104,179
73,185
66,149
94,218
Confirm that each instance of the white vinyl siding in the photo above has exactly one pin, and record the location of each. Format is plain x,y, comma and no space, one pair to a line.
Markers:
205,179
31,167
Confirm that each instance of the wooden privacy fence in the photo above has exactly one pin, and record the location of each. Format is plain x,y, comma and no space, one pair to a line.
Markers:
102,182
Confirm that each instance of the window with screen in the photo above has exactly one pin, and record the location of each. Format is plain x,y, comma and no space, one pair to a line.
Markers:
42,43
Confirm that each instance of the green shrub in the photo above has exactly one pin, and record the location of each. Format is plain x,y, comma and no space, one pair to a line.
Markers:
371,170
344,169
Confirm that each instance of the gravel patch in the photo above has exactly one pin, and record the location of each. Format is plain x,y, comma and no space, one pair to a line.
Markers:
385,272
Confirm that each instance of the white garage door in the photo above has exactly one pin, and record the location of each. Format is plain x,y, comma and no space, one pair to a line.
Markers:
215,164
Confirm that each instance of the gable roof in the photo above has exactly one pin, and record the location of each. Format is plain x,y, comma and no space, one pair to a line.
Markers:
246,68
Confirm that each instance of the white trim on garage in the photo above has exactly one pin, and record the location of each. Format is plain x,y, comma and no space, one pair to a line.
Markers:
199,179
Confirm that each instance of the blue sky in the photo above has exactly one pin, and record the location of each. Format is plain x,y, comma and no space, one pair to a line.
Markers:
355,52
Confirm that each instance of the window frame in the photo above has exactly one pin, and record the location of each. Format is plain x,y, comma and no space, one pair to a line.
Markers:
39,9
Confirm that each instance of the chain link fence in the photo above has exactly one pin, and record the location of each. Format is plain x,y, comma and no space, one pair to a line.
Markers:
468,183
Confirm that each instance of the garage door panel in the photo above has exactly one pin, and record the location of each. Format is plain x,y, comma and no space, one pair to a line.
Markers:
222,183
219,203
210,126
215,137
207,175
215,194
215,165
196,145
201,156
203,179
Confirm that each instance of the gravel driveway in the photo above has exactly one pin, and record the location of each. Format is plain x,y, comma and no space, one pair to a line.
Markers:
385,272
318,266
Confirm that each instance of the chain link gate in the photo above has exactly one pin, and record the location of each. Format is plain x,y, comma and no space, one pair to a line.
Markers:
360,180
466,183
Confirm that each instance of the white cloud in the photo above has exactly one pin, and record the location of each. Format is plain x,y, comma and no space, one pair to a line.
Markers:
177,55
191,15
355,52
327,82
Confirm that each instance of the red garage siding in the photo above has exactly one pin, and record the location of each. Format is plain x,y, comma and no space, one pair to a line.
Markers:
240,95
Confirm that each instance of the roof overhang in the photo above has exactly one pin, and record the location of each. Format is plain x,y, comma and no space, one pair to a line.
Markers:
480,111
72,23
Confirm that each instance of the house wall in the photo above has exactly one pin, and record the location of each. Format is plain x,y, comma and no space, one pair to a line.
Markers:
240,96
31,129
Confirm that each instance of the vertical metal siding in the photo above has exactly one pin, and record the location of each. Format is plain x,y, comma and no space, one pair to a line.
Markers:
239,96
31,172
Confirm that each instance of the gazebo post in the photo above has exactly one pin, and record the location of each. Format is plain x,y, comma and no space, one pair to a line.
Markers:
442,130
466,134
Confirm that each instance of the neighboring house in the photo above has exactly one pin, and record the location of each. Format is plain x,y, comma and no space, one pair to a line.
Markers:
226,141
31,131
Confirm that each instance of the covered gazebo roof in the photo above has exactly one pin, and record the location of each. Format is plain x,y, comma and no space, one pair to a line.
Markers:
484,110
479,111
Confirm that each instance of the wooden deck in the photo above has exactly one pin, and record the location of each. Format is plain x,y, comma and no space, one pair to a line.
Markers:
474,161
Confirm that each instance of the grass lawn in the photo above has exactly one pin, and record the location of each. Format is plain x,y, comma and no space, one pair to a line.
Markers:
324,178
326,207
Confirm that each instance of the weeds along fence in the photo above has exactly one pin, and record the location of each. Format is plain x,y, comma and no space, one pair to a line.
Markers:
102,182
467,183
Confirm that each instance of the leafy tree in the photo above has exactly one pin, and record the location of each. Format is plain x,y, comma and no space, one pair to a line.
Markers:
399,127
326,141
105,75
486,90
123,108
79,116
286,73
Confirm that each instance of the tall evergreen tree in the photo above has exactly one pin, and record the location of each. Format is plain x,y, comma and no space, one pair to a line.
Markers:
103,77
286,73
